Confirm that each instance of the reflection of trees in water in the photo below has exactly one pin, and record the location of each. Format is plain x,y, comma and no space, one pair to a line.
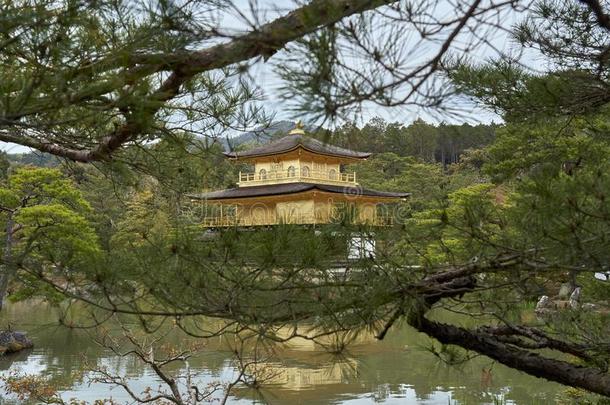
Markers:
382,369
7,360
426,375
58,353
63,352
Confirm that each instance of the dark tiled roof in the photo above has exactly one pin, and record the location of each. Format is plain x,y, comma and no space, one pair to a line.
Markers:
292,188
291,142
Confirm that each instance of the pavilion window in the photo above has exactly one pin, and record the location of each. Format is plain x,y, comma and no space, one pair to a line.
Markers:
291,171
332,174
305,171
262,174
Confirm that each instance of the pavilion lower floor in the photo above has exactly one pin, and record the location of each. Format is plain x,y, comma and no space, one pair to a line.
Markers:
310,208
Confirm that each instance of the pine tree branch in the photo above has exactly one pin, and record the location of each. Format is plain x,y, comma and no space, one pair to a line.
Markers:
588,378
263,42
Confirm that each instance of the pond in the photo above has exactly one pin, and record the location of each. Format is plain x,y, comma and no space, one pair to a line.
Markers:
397,370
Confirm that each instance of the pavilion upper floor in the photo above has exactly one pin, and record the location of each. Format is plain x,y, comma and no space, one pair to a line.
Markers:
297,158
297,167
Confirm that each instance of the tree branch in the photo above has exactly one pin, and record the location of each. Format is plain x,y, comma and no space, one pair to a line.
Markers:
183,66
588,378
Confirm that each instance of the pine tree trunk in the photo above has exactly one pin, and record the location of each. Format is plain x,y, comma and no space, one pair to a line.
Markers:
7,269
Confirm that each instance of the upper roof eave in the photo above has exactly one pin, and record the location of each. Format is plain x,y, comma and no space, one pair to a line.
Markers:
293,142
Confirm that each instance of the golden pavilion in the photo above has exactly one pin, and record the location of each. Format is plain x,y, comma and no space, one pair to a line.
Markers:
297,180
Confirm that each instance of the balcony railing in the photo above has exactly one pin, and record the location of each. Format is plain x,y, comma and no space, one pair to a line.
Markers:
286,176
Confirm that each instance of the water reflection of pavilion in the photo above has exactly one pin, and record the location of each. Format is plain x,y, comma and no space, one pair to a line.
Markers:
300,376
